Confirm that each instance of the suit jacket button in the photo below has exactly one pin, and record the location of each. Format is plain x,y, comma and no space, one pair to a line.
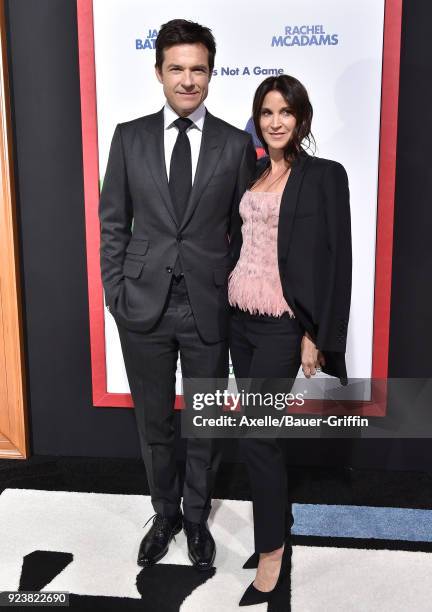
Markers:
179,237
169,270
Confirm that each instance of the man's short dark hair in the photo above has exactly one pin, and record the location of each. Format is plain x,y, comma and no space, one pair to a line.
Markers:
183,32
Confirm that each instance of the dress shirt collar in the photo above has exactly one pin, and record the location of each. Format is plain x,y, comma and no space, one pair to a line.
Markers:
197,117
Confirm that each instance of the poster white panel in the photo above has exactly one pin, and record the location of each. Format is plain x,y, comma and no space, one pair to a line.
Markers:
334,47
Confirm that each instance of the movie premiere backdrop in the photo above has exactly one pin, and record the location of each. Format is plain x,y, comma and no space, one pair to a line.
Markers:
346,53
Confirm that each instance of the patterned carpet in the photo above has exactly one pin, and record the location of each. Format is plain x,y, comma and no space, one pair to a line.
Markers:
77,529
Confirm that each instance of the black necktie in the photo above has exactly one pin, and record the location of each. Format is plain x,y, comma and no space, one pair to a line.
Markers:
180,177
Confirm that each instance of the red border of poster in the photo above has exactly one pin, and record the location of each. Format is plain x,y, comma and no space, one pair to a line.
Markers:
385,213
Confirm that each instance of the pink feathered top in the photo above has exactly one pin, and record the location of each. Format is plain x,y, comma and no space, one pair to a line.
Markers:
254,284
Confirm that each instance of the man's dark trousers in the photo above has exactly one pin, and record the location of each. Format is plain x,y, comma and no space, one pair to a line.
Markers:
151,359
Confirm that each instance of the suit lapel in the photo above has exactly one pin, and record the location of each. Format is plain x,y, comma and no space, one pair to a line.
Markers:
212,143
155,158
288,207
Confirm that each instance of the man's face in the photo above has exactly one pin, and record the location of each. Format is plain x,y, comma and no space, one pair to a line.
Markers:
185,76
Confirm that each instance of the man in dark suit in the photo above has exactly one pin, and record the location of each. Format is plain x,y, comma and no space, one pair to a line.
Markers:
168,211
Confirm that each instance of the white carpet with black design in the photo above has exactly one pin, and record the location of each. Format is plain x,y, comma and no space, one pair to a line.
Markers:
60,533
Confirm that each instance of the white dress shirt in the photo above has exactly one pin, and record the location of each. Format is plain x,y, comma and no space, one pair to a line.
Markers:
194,133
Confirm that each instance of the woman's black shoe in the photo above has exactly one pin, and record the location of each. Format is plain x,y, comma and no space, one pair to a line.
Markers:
252,596
252,562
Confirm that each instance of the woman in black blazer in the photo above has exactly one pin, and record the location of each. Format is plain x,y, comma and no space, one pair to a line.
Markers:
290,291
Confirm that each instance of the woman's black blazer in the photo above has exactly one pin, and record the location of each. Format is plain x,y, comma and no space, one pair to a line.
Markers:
314,253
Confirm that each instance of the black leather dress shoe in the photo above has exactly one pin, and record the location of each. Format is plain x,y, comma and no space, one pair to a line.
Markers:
201,546
156,542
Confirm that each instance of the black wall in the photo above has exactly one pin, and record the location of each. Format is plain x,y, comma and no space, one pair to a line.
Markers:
46,115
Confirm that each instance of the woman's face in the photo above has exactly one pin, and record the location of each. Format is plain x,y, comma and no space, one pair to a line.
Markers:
276,121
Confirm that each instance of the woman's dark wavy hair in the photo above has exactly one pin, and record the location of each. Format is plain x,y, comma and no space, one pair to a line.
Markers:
180,32
297,99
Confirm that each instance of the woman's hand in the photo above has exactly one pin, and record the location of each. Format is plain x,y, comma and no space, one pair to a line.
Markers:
311,357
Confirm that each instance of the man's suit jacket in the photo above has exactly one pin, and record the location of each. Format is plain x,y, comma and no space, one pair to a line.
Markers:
314,253
141,238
